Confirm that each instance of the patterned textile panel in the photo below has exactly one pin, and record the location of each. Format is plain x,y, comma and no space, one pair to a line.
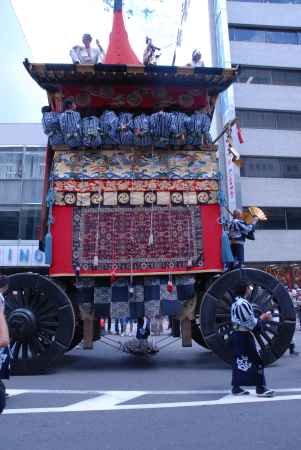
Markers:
137,165
133,97
146,296
135,198
120,238
136,185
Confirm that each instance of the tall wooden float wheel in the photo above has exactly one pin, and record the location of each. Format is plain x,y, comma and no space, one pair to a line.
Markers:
41,322
267,295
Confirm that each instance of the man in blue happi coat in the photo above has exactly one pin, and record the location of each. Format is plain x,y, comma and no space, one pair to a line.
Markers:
247,365
239,231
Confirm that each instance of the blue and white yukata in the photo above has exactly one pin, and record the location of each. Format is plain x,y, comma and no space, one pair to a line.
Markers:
160,125
142,134
91,132
70,123
51,127
247,365
108,124
238,232
198,129
178,129
126,129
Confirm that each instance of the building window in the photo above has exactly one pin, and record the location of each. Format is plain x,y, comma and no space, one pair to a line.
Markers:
34,165
19,223
261,75
29,223
254,118
11,163
272,167
293,216
281,219
271,36
9,225
283,2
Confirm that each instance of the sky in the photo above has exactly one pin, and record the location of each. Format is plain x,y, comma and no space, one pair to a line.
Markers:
52,27
47,30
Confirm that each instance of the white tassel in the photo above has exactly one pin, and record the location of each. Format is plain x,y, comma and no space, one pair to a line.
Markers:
151,239
95,261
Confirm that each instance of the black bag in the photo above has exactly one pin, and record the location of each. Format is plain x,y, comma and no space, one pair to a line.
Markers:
2,397
5,358
251,235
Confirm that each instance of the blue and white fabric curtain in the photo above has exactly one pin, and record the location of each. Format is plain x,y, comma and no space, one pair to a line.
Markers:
91,132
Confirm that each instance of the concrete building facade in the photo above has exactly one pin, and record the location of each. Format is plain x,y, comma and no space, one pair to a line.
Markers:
263,37
22,149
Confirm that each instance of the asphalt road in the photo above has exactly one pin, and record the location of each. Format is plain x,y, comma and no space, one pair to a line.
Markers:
178,399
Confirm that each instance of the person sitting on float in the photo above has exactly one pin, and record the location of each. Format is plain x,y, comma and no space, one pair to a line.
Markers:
150,55
86,54
196,59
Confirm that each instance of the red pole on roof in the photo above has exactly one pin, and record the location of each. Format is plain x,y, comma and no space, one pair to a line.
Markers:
119,50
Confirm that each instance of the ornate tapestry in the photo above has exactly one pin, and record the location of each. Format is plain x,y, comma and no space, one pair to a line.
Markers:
136,185
131,97
135,165
137,239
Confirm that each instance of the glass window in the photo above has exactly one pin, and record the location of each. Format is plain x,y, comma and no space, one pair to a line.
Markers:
261,167
286,77
282,37
291,168
288,121
9,223
256,118
261,75
256,76
11,165
34,165
250,35
32,191
275,36
276,219
295,2
293,218
29,222
10,192
232,34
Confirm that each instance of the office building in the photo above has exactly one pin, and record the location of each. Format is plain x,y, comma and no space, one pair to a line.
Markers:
263,37
22,148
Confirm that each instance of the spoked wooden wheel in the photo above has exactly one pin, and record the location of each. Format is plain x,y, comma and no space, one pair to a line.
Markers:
267,295
41,322
197,335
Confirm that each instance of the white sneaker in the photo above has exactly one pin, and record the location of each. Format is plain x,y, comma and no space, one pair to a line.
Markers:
266,393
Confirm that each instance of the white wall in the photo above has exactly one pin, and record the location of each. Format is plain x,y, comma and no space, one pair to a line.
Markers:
262,96
262,54
270,14
277,192
271,143
22,134
274,245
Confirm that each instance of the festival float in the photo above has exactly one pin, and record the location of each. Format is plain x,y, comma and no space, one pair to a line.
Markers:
131,216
